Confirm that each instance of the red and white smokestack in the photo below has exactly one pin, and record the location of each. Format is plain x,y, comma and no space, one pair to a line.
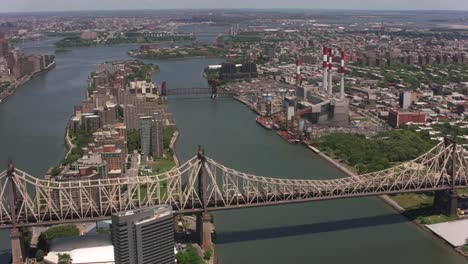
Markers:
342,70
330,72
298,71
325,63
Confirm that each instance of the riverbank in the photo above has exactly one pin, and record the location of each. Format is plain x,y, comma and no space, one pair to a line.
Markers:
5,95
77,42
174,138
387,200
149,52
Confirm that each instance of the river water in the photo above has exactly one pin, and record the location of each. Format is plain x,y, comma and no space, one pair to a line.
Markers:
361,230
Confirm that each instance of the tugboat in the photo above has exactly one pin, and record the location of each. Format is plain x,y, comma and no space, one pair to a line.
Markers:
262,121
288,137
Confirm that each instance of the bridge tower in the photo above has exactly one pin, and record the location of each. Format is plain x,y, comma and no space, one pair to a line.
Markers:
203,218
446,201
164,91
15,235
214,88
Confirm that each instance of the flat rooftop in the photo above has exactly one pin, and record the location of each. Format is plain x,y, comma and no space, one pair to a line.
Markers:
453,232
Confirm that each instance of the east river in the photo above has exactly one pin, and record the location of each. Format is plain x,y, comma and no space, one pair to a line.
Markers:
360,231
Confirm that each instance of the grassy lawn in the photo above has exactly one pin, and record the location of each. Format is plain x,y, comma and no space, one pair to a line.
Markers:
144,192
163,165
418,207
435,219
411,201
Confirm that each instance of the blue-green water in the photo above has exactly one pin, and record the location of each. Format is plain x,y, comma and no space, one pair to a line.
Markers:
360,231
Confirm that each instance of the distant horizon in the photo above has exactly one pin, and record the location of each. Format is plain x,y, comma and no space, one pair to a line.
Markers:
232,9
32,6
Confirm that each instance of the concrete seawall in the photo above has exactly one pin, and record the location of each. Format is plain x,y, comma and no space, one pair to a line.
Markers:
348,172
174,138
390,202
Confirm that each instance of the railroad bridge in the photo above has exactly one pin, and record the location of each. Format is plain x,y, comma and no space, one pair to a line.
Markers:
201,185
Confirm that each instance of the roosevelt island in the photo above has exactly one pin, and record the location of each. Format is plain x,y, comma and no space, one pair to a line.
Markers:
159,165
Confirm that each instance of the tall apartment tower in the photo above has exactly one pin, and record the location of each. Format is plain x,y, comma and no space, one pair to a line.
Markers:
145,134
404,99
157,136
144,236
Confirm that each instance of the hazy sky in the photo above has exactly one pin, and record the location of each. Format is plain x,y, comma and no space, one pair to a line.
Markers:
59,5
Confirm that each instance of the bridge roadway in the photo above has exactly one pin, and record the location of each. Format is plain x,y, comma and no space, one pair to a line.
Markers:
207,91
202,185
197,91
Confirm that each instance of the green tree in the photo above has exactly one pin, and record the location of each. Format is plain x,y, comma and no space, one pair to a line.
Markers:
59,231
133,140
189,256
40,255
167,136
64,258
208,253
55,171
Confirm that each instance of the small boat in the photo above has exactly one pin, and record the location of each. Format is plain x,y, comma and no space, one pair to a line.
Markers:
288,137
262,121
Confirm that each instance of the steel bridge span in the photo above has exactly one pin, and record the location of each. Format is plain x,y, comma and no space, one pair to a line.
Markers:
202,185
196,91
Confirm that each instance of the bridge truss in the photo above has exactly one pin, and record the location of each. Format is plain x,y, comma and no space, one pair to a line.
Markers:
201,184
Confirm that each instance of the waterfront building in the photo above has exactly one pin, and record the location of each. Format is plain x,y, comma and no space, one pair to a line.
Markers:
142,87
107,114
157,147
114,159
93,248
145,134
144,236
92,123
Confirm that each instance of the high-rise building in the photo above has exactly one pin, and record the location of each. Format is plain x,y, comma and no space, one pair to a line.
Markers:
157,147
130,117
144,236
4,48
92,123
145,134
405,100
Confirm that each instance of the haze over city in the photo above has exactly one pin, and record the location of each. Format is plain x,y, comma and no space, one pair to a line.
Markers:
63,5
227,132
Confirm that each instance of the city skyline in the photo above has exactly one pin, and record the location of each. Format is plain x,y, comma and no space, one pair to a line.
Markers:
58,5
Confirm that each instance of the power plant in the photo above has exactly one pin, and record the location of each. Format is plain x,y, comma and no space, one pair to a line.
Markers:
320,105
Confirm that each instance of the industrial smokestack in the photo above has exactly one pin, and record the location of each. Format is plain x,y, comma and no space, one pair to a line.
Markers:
342,69
330,72
298,71
325,63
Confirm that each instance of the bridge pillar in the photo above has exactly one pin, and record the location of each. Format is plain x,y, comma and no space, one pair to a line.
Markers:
15,235
445,202
203,218
16,249
453,203
204,230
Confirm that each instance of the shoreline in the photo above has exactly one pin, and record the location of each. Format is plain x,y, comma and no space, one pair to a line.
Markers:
174,139
385,198
117,44
392,204
172,58
27,79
